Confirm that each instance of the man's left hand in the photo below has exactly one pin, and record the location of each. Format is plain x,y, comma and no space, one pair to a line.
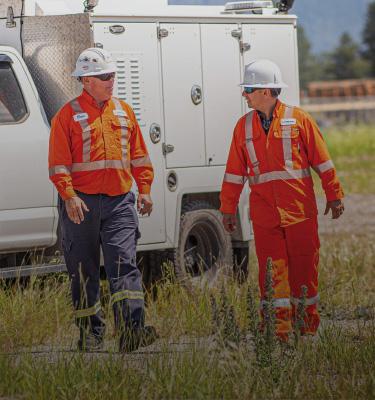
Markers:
144,204
337,207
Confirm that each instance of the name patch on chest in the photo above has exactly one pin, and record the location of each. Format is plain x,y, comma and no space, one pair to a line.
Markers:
80,117
288,121
120,113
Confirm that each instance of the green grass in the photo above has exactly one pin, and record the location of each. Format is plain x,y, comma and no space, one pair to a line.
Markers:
194,358
353,152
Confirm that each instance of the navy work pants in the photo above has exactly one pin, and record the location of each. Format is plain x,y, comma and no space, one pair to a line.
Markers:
111,223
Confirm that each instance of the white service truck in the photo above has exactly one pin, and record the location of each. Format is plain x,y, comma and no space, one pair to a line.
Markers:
179,67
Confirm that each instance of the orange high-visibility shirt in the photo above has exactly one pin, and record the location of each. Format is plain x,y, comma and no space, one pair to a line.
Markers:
97,150
277,167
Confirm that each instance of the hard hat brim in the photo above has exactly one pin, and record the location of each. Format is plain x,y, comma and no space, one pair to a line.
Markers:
280,85
78,74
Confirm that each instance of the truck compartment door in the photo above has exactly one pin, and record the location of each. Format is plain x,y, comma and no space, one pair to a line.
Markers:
183,94
134,46
277,43
222,96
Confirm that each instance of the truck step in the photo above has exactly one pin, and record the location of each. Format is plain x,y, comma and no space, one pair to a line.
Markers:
31,270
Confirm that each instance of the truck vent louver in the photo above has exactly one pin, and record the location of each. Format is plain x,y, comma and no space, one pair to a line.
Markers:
129,82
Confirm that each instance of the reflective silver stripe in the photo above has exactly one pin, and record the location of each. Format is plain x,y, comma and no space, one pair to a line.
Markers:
86,131
279,175
323,167
308,301
87,312
59,169
232,178
287,139
124,128
100,164
127,295
249,142
141,162
282,302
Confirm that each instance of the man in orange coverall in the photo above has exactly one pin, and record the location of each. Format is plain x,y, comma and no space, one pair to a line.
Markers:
96,147
273,147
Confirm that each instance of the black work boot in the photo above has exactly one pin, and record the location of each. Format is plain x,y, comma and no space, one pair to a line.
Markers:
132,339
89,342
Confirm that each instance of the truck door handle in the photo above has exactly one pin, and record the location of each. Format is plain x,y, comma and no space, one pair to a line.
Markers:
167,148
196,94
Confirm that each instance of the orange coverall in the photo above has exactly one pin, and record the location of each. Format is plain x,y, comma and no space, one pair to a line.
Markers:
282,203
85,152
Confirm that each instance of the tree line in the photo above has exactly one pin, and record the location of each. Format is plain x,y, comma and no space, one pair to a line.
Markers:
349,60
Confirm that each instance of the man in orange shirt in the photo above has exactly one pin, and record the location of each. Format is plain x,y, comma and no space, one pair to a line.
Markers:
273,148
96,149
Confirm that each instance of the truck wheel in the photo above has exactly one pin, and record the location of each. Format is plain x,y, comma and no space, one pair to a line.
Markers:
204,246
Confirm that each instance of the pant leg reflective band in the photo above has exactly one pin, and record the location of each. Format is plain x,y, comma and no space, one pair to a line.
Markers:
282,302
232,178
141,162
279,175
287,138
87,312
127,295
86,131
250,143
308,301
59,169
323,167
124,129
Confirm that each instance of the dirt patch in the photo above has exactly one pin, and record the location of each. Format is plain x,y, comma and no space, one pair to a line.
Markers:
358,218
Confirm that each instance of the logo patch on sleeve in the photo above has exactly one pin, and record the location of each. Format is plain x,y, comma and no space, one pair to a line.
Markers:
288,121
80,117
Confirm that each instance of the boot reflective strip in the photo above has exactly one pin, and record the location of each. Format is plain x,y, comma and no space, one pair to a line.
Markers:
249,142
127,295
287,139
100,164
232,178
86,131
279,175
308,301
141,162
323,167
87,312
124,129
283,302
59,169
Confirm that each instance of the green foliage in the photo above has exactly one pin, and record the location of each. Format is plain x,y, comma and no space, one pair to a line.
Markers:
345,62
369,37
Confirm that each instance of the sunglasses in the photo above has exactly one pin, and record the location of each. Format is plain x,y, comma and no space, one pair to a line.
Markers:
249,90
105,77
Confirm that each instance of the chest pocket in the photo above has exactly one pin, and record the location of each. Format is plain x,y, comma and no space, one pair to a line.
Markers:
290,137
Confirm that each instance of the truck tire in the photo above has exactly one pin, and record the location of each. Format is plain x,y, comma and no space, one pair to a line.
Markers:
204,246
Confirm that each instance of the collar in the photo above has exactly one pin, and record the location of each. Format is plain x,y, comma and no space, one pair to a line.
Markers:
86,96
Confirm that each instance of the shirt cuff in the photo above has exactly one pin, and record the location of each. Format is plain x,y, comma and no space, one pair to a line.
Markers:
144,189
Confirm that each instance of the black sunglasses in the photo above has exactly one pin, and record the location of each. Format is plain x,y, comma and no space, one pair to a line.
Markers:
106,77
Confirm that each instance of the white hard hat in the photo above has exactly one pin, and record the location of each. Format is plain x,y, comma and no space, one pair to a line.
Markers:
263,74
94,61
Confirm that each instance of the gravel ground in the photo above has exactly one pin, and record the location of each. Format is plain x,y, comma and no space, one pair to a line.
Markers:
358,218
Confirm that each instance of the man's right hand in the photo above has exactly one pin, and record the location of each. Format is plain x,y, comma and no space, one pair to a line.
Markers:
75,208
229,222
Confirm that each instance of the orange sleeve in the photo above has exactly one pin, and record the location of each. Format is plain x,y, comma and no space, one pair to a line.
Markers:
59,157
235,172
140,163
320,160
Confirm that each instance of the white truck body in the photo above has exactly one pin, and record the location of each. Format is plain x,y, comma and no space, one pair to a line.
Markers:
164,54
